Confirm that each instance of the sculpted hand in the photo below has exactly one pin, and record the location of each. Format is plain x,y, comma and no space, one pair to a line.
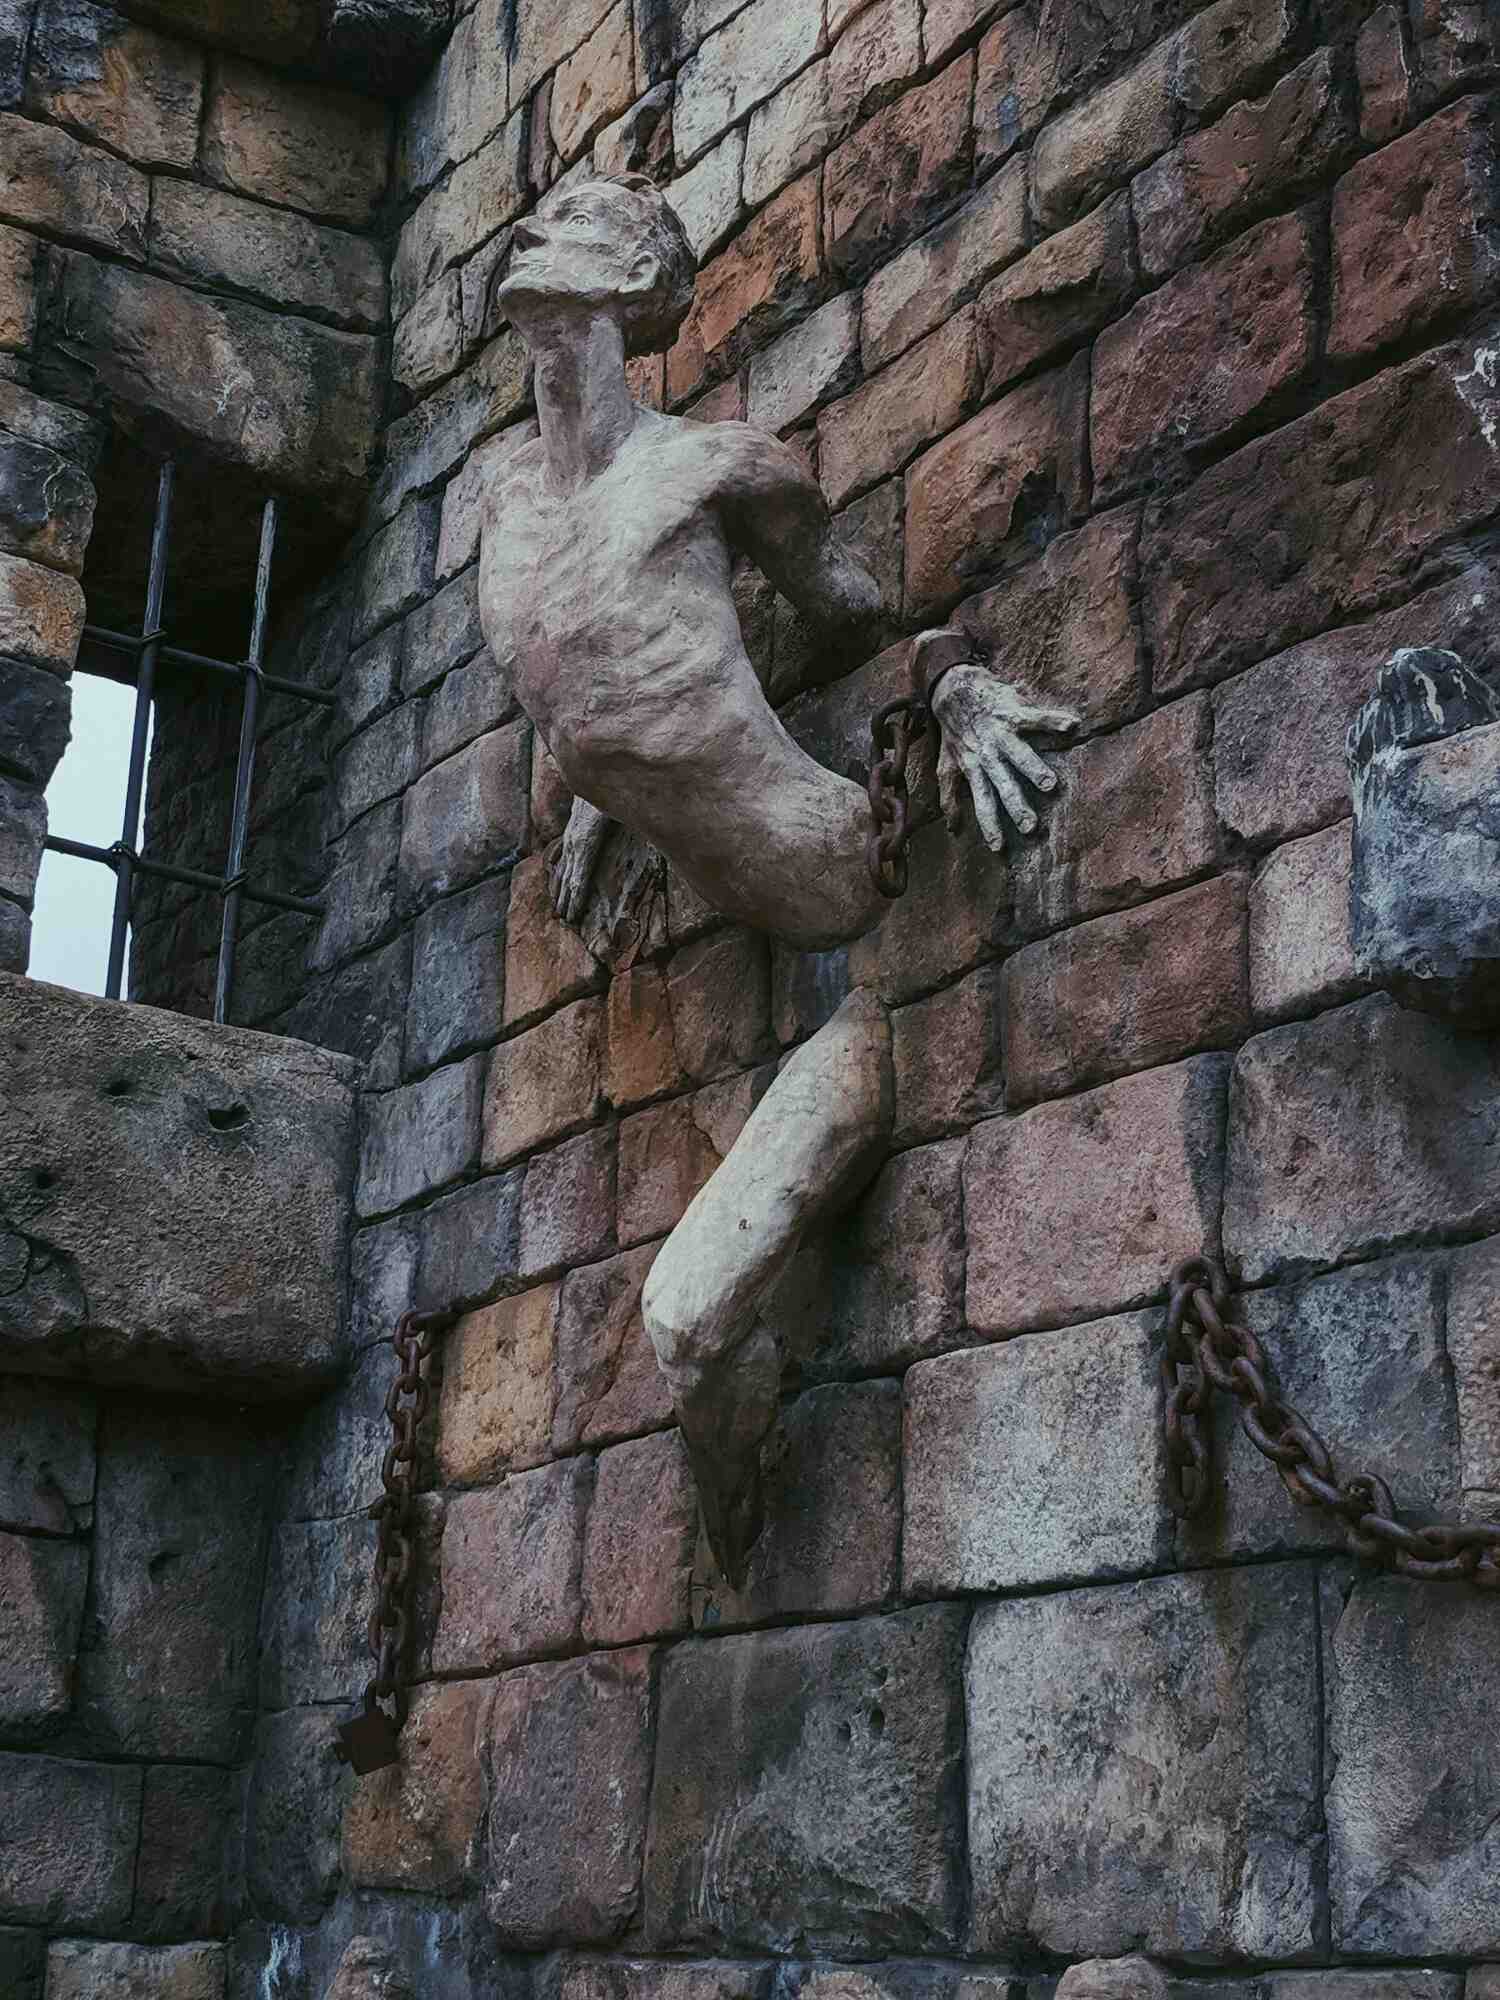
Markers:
982,720
576,859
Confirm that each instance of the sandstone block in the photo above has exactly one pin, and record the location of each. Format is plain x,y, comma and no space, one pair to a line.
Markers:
1301,952
41,614
719,997
662,1979
987,1434
543,1084
888,419
1127,991
1384,74
420,1136
496,1404
947,1049
1098,143
862,1717
467,815
1229,48
71,1832
80,1971
46,1457
461,215
458,973
1069,285
875,52
569,1773
41,1610
1474,1350
546,962
1018,75
958,918
1071,1696
178,1273
529,1531
608,1383
292,1808
1400,1662
305,146
1204,353
638,1551
1128,1177
707,197
1413,231
595,84
898,171
741,64
470,1241
20,268
1360,1130
1009,480
50,180
1341,494
806,366
414,1825
220,239
668,1152
640,1052
179,1889
789,133
319,1593
754,288
46,505
568,1208
918,290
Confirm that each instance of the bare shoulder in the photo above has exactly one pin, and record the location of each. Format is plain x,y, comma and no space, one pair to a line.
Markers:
740,466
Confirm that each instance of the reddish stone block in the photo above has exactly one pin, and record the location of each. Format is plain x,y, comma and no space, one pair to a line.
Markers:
752,289
1133,814
526,1535
1065,288
1295,531
608,1383
1083,1206
719,998
954,913
568,1205
948,1059
1010,479
1301,951
1258,155
884,423
302,145
413,1826
543,1084
1454,45
498,1389
1127,991
920,289
568,1775
668,1152
1064,628
638,1551
640,1053
1204,353
893,175
1229,48
595,84
1018,71
1384,74
546,962
945,23
1414,232
1099,142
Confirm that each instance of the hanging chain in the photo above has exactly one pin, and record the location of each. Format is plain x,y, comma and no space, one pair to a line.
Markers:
368,1742
892,733
1208,1347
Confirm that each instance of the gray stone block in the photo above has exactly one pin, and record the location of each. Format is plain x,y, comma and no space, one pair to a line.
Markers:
359,893
442,633
293,1812
15,937
179,1887
458,974
1412,1679
46,1457
528,1530
470,1243
42,1583
34,720
895,1980
46,505
467,816
807,1791
177,1193
1474,1350
358,1012
1143,1769
378,763
77,1970
319,1593
420,1136
1037,1461
397,570
21,1959
338,1454
68,1857
23,828
383,1269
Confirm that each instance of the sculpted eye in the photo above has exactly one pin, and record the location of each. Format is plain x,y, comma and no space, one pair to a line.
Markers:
577,221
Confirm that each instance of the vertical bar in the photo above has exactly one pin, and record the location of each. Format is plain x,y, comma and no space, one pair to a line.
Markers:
145,688
244,774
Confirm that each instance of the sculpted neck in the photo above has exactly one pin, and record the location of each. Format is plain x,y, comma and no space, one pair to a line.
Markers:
583,400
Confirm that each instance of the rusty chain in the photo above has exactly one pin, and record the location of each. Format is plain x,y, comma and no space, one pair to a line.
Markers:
368,1741
1209,1347
895,728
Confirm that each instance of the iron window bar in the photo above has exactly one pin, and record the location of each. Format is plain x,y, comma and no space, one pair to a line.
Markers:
150,650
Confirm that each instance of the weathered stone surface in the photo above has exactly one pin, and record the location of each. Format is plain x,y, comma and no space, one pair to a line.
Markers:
1036,1462
41,614
470,1241
740,65
1203,353
471,701
753,288
617,1978
1361,1355
52,181
22,1954
719,997
805,367
467,816
707,197
496,1406
1474,1350
397,570
595,84
947,1053
80,1971
478,198
989,495
179,1275
458,974
899,170
807,1788
46,504
340,1445
374,765
309,148
41,1610
427,341
640,1053
1129,1177
609,1385
23,828
790,133
140,92
877,429
543,1083
667,1153
414,1824
359,897
440,635
638,1551
918,290
1413,232
1077,1699
1127,991
70,1839
1384,74
219,239
1070,284
20,271
1129,1978
15,937
292,402
1315,1106
1099,142
420,1137
1409,1684
568,1208
357,1011
1344,496
319,1592
179,1890
1301,952
292,1810
896,1979
46,1457
569,1773
546,961
528,1530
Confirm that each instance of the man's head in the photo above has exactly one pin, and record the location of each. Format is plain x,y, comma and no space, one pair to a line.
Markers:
603,243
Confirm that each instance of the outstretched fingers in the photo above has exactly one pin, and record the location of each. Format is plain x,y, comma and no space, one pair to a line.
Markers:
950,779
1059,721
1016,750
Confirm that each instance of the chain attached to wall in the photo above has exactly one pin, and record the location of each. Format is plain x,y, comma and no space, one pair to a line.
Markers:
892,733
1208,1347
368,1741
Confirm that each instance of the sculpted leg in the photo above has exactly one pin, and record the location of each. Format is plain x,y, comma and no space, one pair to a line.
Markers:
809,1146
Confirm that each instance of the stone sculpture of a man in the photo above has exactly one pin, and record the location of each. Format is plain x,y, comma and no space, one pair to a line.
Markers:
605,593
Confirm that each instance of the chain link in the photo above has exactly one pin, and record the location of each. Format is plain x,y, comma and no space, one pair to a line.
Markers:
1208,1347
895,728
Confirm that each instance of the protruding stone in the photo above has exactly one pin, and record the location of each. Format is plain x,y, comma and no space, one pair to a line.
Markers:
304,146
413,1825
1132,1978
68,1860
529,1530
84,1971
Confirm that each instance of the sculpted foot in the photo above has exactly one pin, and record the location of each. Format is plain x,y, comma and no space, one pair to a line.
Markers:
811,1143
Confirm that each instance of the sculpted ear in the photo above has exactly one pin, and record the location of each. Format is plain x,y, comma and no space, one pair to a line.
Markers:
644,274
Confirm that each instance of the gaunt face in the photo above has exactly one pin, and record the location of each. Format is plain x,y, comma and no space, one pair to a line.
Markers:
584,250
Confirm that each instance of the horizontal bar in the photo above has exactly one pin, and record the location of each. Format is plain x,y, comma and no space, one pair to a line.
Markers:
195,878
122,642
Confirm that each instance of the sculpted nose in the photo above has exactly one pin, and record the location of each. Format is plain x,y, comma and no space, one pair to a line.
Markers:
526,236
